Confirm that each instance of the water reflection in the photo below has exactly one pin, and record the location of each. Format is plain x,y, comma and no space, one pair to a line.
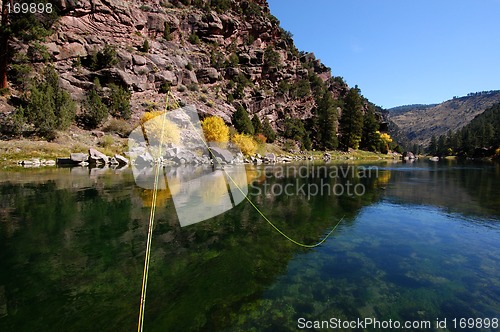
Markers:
72,246
469,188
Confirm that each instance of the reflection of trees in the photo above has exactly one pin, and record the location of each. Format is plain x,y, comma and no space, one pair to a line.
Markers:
482,184
463,187
78,253
172,187
213,188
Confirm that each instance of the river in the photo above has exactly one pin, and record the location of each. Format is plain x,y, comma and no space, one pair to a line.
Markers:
417,242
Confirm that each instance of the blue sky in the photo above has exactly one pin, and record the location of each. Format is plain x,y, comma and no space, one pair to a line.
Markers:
401,51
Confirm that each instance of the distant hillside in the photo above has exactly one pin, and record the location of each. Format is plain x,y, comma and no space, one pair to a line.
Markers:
407,108
480,138
421,123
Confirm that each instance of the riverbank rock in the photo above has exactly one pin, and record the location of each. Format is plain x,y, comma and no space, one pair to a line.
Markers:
97,157
79,157
122,161
408,155
225,155
270,158
66,162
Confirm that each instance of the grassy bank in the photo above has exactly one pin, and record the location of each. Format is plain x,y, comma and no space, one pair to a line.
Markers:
13,151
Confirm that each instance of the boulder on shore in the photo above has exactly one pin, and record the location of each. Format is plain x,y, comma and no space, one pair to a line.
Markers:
270,157
122,161
97,157
79,157
225,155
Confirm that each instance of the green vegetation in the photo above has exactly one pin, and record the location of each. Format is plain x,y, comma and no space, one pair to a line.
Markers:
325,123
295,130
220,6
271,58
13,125
38,52
283,87
217,59
194,39
95,111
351,121
47,109
300,89
242,122
118,126
268,131
252,9
232,61
166,32
165,87
257,125
20,74
119,102
238,85
370,137
27,27
104,58
145,46
480,138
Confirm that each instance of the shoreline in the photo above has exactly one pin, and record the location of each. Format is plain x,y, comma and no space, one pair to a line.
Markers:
14,151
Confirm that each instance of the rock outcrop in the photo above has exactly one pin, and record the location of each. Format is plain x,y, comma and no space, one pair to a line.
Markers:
209,56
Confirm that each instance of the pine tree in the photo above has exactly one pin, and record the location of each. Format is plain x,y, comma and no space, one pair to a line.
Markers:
432,148
40,110
95,111
49,107
488,134
468,141
370,139
242,122
119,102
441,146
268,131
145,46
325,124
351,121
257,125
449,141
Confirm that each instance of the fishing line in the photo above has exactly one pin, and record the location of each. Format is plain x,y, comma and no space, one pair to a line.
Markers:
145,274
252,203
153,210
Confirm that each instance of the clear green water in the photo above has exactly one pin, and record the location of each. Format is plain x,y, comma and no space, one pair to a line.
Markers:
422,243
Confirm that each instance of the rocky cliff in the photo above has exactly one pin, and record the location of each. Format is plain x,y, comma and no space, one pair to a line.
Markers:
213,54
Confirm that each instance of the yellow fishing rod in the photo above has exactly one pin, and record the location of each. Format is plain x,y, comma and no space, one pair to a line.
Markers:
142,307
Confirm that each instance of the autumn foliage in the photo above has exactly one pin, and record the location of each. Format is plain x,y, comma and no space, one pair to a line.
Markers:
215,130
154,124
245,143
